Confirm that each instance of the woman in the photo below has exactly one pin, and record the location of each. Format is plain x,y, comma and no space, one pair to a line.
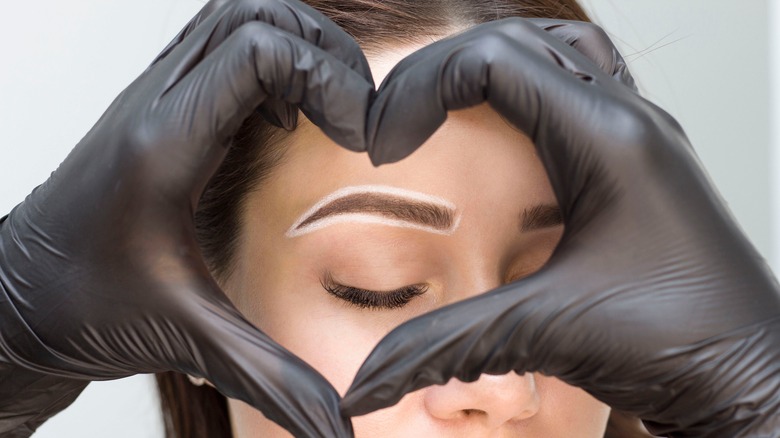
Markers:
355,234
133,182
343,235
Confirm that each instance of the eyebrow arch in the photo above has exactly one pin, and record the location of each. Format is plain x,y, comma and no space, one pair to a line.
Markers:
540,216
380,204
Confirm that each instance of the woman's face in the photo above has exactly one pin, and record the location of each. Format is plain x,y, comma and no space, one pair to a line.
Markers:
471,210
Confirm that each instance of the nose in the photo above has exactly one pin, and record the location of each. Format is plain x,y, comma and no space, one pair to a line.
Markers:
491,401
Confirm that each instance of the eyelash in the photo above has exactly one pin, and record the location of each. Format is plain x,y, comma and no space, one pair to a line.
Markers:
373,300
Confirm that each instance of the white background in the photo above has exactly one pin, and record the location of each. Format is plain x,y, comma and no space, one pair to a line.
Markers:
707,62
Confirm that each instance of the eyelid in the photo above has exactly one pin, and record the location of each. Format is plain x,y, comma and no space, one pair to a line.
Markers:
372,300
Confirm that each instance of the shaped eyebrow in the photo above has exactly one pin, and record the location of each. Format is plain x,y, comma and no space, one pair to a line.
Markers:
422,213
404,208
379,204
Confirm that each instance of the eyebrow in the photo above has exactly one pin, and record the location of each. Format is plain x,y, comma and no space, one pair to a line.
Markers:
405,208
422,213
539,217
379,204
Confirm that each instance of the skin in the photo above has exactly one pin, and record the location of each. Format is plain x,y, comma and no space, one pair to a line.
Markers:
283,295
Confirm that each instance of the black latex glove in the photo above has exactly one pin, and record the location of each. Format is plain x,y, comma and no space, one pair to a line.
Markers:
100,273
654,301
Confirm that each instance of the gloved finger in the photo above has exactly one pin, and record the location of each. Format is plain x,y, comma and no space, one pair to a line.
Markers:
215,98
551,324
290,16
534,324
244,363
273,110
591,40
36,390
204,13
521,70
312,26
491,333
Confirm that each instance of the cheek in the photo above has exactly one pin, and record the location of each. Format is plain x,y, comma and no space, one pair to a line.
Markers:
568,406
284,298
247,422
316,328
333,348
312,326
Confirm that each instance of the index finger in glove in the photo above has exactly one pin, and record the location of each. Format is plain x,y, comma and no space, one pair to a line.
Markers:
522,71
220,18
593,42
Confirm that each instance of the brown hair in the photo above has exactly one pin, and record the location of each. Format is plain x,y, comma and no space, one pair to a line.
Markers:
200,411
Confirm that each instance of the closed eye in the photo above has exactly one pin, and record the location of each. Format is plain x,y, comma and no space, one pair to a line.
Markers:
373,300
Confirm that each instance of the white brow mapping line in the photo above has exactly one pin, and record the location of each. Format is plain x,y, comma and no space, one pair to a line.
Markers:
294,231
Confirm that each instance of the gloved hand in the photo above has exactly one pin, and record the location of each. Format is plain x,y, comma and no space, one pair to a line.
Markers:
654,301
100,273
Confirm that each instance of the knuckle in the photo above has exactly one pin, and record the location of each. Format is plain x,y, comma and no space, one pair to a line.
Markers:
516,27
603,44
277,13
256,36
213,6
641,132
491,46
255,5
594,33
139,136
250,31
520,22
